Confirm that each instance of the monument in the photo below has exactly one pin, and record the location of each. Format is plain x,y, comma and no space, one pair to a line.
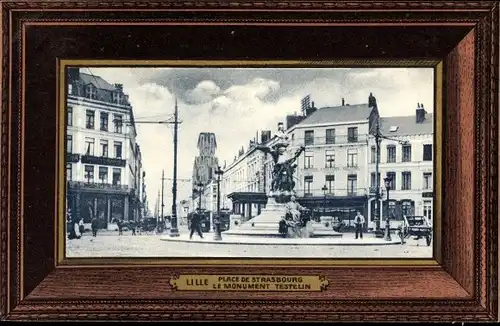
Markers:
281,203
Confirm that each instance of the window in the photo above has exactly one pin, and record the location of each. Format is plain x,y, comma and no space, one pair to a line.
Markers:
352,184
352,134
428,209
373,180
407,208
104,121
406,181
104,148
392,209
90,119
392,176
91,92
391,154
89,146
103,174
70,116
330,183
89,173
330,159
69,171
308,160
406,153
352,157
116,97
69,144
308,180
427,180
118,123
118,149
373,154
309,137
330,136
70,89
117,176
427,153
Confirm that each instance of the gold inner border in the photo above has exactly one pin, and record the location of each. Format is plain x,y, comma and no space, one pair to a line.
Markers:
60,232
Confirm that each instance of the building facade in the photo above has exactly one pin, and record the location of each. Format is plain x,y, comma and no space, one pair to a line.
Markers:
406,157
244,181
103,160
332,176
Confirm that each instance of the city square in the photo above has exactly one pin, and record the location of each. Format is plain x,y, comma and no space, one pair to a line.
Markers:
110,244
319,172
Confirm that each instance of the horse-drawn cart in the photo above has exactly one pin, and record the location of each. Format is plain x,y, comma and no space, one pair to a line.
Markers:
417,226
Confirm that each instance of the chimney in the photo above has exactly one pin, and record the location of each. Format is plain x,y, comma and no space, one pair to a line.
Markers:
73,75
420,113
343,102
312,106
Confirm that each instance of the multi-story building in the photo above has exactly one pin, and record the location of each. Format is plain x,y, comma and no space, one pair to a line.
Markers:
244,180
406,157
103,162
332,176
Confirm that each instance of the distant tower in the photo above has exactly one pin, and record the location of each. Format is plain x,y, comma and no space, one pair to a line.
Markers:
206,163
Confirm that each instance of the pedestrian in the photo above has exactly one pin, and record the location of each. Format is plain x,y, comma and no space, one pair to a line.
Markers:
81,226
195,225
132,225
76,227
283,227
359,222
93,225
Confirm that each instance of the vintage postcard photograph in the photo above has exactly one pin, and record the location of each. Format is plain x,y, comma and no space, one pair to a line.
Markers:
249,162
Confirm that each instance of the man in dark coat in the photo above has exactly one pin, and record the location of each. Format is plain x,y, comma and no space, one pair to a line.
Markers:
195,225
93,225
132,226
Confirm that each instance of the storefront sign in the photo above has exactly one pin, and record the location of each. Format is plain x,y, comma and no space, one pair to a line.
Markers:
427,194
249,283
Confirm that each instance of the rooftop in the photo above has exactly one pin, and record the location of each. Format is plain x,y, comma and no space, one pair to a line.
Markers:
97,82
406,125
344,113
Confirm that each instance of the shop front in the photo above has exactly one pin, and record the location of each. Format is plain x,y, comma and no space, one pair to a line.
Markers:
105,203
341,208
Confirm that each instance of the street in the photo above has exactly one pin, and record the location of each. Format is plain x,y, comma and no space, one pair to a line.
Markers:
112,245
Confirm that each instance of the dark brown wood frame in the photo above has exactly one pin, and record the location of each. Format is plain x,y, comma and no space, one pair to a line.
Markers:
461,286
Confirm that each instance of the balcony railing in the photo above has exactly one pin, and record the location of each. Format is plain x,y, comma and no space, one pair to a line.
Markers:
101,160
72,158
97,185
337,140
332,193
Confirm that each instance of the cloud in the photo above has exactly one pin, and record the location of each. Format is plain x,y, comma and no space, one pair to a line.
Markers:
204,92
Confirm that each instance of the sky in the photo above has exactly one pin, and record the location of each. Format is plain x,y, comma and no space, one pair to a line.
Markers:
234,103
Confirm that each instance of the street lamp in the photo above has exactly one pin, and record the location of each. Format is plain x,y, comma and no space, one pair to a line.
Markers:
217,234
200,191
387,236
325,189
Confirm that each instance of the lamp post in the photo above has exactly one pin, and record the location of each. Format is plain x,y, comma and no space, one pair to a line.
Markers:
325,189
200,191
387,236
217,234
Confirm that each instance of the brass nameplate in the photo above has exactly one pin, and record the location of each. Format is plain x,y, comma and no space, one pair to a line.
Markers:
249,283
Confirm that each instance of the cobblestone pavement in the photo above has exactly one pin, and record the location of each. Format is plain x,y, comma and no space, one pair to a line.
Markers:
111,244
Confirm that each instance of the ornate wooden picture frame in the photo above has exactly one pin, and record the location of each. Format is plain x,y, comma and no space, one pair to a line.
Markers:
459,284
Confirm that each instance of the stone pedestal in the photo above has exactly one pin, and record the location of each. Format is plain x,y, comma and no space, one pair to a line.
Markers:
267,224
